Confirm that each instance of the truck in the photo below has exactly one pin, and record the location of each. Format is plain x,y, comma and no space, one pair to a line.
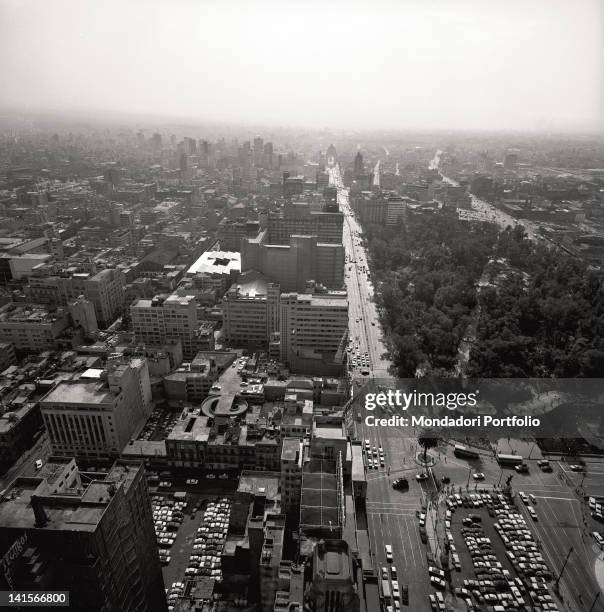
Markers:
386,592
464,453
509,460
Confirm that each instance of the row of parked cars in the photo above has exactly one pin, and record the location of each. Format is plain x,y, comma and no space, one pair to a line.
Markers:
524,555
209,541
168,515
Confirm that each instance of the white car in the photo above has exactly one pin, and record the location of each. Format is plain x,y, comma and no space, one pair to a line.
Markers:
192,481
388,549
478,476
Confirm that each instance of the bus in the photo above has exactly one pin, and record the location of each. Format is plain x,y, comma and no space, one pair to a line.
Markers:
386,594
509,460
464,453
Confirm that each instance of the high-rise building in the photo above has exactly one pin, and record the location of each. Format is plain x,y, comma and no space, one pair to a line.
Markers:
314,329
162,319
331,156
258,150
267,156
83,314
297,218
250,311
87,533
293,265
359,166
32,327
96,414
105,289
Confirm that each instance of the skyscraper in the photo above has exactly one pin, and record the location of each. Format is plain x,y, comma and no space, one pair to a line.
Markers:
87,533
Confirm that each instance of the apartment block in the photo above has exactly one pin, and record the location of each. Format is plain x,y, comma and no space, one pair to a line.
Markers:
32,327
105,289
166,318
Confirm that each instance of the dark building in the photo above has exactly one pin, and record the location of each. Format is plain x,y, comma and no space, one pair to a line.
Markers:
87,533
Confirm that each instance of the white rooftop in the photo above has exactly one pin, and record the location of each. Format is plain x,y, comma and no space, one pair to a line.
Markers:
216,262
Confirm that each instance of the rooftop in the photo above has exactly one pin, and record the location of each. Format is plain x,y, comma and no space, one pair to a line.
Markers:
94,392
216,262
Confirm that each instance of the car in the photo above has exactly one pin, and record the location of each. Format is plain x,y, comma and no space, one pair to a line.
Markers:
576,467
532,512
405,594
445,480
384,573
38,464
532,498
421,477
543,463
478,476
388,549
192,481
435,571
395,591
437,582
393,573
522,468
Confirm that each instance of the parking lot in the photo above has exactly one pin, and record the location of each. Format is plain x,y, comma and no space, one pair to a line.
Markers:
494,559
200,548
159,424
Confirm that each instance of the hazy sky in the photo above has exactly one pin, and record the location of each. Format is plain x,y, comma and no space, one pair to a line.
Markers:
387,64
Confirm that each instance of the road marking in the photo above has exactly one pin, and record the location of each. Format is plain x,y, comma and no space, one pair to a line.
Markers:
391,513
570,499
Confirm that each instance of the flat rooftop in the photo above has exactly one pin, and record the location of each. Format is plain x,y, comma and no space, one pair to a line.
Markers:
93,392
216,262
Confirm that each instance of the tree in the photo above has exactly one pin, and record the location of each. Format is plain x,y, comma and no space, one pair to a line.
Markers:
427,439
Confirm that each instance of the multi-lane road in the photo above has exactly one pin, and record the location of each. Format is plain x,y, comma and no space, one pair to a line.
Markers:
564,521
364,325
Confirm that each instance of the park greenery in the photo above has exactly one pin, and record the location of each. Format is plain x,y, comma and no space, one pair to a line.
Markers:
426,269
539,311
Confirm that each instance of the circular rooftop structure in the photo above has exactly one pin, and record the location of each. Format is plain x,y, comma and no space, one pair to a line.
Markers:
228,405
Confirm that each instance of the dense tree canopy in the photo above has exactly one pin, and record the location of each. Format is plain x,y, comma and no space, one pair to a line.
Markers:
426,270
540,315
544,318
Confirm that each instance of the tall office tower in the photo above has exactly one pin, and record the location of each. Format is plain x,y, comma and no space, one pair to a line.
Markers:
331,156
267,158
161,319
359,166
258,151
297,218
95,415
87,533
190,146
205,154
314,329
183,162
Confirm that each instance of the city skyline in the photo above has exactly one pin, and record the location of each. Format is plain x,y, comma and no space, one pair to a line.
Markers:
512,66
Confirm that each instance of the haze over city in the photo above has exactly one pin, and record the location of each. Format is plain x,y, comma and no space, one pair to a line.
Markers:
394,65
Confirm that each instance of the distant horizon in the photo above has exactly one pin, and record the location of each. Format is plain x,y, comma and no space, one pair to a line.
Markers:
519,65
121,119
